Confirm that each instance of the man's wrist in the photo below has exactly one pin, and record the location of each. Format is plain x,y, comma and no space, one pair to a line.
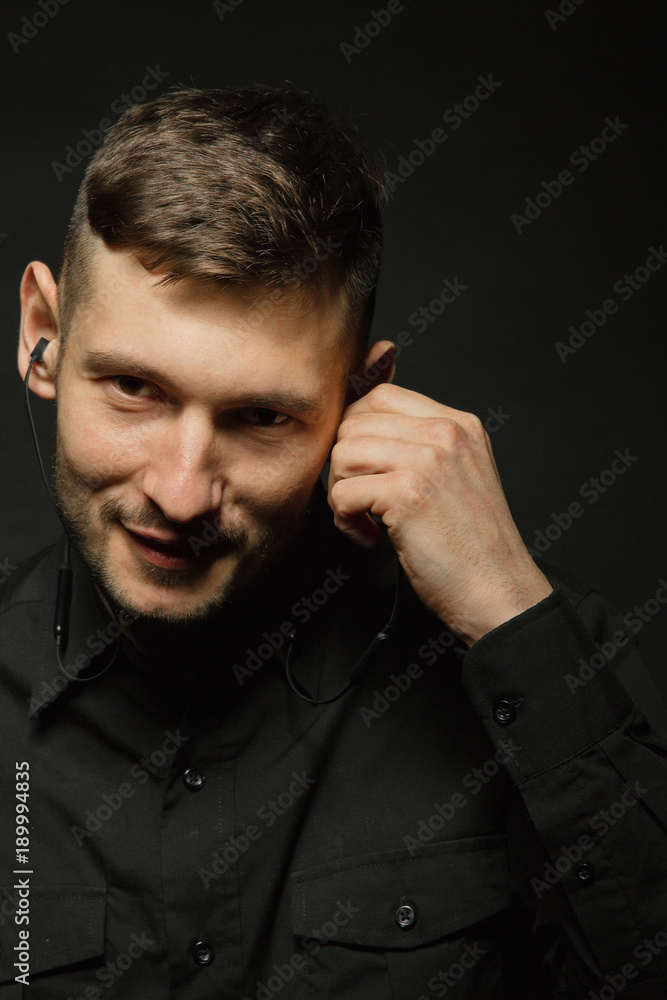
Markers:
497,608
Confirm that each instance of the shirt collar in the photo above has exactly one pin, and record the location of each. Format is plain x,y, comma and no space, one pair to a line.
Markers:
92,634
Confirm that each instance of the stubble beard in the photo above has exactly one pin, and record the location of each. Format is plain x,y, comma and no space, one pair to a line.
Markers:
254,560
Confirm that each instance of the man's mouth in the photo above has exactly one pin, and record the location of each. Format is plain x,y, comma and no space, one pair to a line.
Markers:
172,553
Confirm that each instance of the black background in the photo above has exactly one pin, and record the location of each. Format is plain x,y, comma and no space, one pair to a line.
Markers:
493,347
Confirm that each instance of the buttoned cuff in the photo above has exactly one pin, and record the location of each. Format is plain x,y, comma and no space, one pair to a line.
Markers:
526,680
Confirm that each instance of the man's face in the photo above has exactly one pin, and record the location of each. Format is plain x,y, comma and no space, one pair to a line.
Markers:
193,423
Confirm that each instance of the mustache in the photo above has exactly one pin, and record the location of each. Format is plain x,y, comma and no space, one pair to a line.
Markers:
198,533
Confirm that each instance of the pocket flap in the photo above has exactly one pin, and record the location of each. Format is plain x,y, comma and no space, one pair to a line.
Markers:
445,886
66,926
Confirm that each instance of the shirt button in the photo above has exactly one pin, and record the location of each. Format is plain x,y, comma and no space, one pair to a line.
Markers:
405,916
202,952
585,873
194,779
504,712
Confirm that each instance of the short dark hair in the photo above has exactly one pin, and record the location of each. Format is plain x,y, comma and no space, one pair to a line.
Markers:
255,186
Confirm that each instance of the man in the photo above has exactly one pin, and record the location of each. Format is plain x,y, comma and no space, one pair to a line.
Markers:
234,789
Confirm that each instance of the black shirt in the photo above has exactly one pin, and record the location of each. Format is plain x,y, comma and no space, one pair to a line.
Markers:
465,824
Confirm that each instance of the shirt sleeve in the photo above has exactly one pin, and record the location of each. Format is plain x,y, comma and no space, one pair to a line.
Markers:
562,687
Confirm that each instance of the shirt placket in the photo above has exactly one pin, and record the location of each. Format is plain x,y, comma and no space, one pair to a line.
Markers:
201,892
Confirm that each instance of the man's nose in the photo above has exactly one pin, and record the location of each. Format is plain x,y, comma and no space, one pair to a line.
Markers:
182,475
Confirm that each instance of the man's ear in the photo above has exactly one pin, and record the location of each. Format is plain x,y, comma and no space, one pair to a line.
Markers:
39,318
378,366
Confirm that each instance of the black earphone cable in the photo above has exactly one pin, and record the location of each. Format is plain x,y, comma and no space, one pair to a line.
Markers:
37,355
353,676
64,589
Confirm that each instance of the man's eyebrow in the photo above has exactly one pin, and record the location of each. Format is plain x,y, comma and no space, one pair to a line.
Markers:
100,362
111,363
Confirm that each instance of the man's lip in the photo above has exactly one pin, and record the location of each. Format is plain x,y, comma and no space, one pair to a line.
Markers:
167,555
173,542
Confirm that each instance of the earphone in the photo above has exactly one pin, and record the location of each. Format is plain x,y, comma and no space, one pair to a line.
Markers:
64,589
355,673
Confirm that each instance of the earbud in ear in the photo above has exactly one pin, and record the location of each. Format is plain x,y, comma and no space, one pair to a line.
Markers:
37,353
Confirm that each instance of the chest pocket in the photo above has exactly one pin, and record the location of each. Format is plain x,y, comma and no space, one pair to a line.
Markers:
403,925
65,938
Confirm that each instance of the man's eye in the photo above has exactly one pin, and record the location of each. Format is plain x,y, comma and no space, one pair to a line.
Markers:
131,386
260,417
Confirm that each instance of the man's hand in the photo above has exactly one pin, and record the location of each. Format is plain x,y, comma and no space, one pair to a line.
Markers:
428,471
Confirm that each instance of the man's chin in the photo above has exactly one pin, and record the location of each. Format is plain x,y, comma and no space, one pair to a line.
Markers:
160,597
206,612
153,595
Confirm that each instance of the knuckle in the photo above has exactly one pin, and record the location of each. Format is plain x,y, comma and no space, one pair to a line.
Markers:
351,425
343,453
476,427
383,395
337,449
336,493
415,488
447,433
